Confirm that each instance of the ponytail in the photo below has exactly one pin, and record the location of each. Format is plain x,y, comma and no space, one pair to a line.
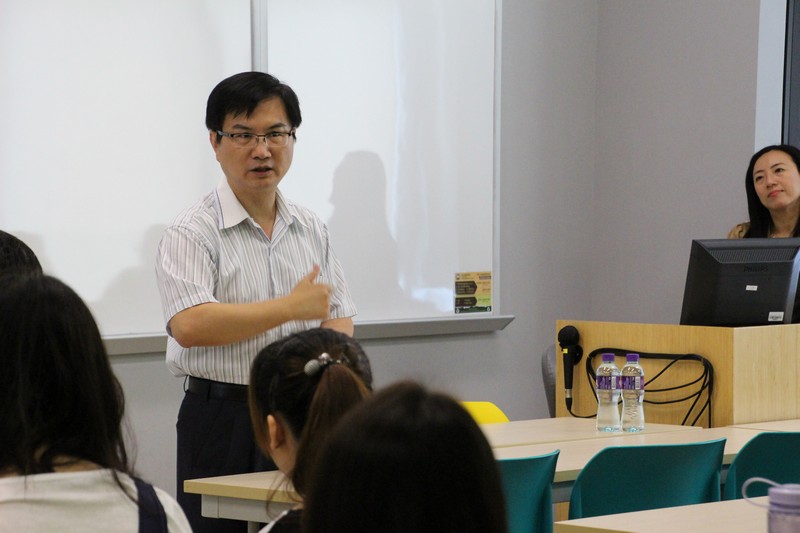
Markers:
309,380
338,390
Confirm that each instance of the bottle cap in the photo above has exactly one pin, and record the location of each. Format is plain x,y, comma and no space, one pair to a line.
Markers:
787,495
632,358
608,357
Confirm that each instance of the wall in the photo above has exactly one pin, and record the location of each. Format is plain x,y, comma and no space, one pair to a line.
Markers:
625,130
676,95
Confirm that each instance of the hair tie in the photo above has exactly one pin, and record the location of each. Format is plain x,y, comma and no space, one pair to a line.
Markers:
315,365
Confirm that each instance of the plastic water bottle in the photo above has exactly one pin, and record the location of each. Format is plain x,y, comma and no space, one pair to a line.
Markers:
607,381
784,505
632,394
784,509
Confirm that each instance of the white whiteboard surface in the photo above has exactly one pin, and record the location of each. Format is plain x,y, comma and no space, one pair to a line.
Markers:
104,140
396,150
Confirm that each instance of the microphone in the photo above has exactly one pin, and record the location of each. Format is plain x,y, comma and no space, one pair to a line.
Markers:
572,352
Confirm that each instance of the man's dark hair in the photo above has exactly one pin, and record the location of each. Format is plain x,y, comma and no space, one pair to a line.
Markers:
241,93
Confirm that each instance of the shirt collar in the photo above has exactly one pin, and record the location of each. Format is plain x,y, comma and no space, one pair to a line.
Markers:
288,211
232,212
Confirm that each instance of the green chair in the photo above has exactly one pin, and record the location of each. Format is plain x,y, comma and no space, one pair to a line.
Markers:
772,455
528,483
621,479
485,412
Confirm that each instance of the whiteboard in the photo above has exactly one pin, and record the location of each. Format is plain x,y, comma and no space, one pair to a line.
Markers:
104,140
396,150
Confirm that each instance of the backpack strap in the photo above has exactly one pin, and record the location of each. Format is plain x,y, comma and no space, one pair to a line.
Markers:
152,518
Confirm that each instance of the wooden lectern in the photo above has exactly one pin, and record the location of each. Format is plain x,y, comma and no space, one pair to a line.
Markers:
756,369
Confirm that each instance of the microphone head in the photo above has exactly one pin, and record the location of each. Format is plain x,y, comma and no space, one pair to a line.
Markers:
568,336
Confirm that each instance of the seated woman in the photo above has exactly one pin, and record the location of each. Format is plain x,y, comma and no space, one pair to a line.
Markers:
63,462
407,459
773,194
300,387
772,184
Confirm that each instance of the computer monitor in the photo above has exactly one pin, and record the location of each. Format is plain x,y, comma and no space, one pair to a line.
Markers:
741,282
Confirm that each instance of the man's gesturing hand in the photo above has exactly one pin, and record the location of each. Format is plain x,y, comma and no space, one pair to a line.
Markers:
311,299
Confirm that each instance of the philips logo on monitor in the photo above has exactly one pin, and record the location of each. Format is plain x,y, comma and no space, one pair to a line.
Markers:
775,316
755,268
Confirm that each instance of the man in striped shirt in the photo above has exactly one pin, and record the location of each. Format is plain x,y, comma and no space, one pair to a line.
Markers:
238,270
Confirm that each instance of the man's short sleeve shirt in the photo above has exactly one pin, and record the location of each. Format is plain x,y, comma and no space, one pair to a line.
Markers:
215,252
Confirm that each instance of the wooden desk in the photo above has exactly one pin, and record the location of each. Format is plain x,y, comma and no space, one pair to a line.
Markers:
575,454
244,496
745,359
523,432
776,425
722,517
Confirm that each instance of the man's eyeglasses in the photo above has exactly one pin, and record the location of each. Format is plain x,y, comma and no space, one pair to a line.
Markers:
249,140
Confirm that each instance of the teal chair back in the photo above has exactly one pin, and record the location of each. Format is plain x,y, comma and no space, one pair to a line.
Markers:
773,455
528,487
621,479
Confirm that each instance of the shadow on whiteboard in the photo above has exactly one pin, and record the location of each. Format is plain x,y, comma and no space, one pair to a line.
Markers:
359,223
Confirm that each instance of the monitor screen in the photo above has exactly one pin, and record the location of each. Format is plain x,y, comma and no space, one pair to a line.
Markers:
741,282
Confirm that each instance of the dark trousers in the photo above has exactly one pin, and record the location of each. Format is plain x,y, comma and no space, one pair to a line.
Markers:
215,438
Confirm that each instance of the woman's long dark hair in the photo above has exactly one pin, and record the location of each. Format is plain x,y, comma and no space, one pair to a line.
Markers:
406,459
760,218
16,255
309,403
58,395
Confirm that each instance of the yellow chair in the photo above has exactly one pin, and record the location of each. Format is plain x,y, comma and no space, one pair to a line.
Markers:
485,412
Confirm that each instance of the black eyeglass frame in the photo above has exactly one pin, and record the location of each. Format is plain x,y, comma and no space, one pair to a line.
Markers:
277,139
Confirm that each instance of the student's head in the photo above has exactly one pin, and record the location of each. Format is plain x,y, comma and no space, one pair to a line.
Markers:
772,183
16,255
300,387
58,395
407,459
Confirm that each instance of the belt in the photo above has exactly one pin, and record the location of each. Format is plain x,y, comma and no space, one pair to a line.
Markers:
216,390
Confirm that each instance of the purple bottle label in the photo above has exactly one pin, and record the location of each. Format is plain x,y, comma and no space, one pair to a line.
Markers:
632,383
607,382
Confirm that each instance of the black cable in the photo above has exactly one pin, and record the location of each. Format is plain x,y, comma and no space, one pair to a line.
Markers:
705,380
569,410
